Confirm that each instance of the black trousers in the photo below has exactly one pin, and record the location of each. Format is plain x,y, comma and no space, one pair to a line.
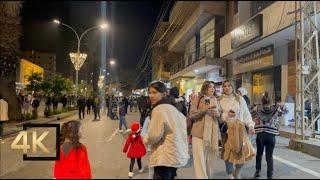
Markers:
1,129
81,111
96,112
268,141
132,161
88,109
55,106
163,172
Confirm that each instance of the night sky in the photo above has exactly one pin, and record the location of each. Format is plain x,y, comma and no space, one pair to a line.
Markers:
131,21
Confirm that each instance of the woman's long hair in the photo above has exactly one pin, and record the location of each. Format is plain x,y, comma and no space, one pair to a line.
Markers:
233,90
205,87
70,130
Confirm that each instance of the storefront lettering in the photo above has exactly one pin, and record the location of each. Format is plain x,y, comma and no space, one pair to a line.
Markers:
256,64
247,32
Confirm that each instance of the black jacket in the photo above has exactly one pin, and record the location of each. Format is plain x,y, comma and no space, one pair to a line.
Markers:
81,103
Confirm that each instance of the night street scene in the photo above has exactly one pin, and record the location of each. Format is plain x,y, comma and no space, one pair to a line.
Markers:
159,90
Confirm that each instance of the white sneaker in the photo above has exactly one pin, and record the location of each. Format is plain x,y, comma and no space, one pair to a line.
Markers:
230,176
128,130
141,170
148,148
120,131
130,174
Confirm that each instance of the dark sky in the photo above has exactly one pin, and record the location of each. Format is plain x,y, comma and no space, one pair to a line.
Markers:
131,21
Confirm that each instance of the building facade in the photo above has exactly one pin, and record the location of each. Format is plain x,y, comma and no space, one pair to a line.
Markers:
46,60
199,40
259,48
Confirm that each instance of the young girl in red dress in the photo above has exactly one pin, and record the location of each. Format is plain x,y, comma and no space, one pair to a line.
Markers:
73,161
134,148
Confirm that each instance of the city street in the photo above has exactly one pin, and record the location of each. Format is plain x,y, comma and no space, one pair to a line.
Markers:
107,160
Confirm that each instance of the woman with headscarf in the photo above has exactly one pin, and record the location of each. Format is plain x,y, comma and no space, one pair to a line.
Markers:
244,93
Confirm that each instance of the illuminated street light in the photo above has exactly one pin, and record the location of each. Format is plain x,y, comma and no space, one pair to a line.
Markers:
79,58
112,62
104,26
56,21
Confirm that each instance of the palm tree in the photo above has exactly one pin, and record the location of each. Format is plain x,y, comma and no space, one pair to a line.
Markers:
10,32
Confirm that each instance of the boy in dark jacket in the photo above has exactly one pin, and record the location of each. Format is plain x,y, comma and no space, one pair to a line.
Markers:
122,116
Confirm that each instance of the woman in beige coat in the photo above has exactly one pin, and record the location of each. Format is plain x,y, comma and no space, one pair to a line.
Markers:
3,114
167,134
204,114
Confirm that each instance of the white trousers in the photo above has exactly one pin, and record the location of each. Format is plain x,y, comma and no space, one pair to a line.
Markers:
203,161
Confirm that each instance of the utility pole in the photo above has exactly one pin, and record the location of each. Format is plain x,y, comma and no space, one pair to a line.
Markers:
307,67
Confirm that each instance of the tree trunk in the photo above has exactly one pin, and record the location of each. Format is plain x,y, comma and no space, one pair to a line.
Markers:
10,32
9,94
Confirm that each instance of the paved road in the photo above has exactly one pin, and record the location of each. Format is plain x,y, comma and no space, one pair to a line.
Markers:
104,146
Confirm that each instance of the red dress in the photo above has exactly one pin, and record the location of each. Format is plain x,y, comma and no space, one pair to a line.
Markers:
73,166
134,147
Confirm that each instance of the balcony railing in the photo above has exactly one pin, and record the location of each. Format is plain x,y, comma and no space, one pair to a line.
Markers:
205,51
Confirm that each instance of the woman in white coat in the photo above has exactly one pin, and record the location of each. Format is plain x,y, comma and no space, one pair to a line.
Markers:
167,134
234,107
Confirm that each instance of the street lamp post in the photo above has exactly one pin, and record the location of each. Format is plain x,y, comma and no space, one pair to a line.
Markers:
77,58
112,62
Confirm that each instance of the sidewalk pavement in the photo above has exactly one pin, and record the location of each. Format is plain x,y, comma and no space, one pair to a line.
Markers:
309,146
14,127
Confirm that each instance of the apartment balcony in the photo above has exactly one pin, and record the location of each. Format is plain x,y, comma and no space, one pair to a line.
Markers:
201,15
191,66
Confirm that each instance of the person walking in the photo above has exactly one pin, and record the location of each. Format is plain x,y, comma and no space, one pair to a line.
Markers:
35,104
267,121
64,101
167,134
205,131
96,107
180,101
74,162
244,93
235,115
89,104
131,103
126,103
48,104
144,107
20,99
134,148
55,102
81,104
3,114
135,104
122,116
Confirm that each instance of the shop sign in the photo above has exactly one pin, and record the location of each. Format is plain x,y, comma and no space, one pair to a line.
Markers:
256,60
247,32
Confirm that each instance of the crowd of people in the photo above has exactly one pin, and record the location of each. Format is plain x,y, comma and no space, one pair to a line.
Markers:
219,127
